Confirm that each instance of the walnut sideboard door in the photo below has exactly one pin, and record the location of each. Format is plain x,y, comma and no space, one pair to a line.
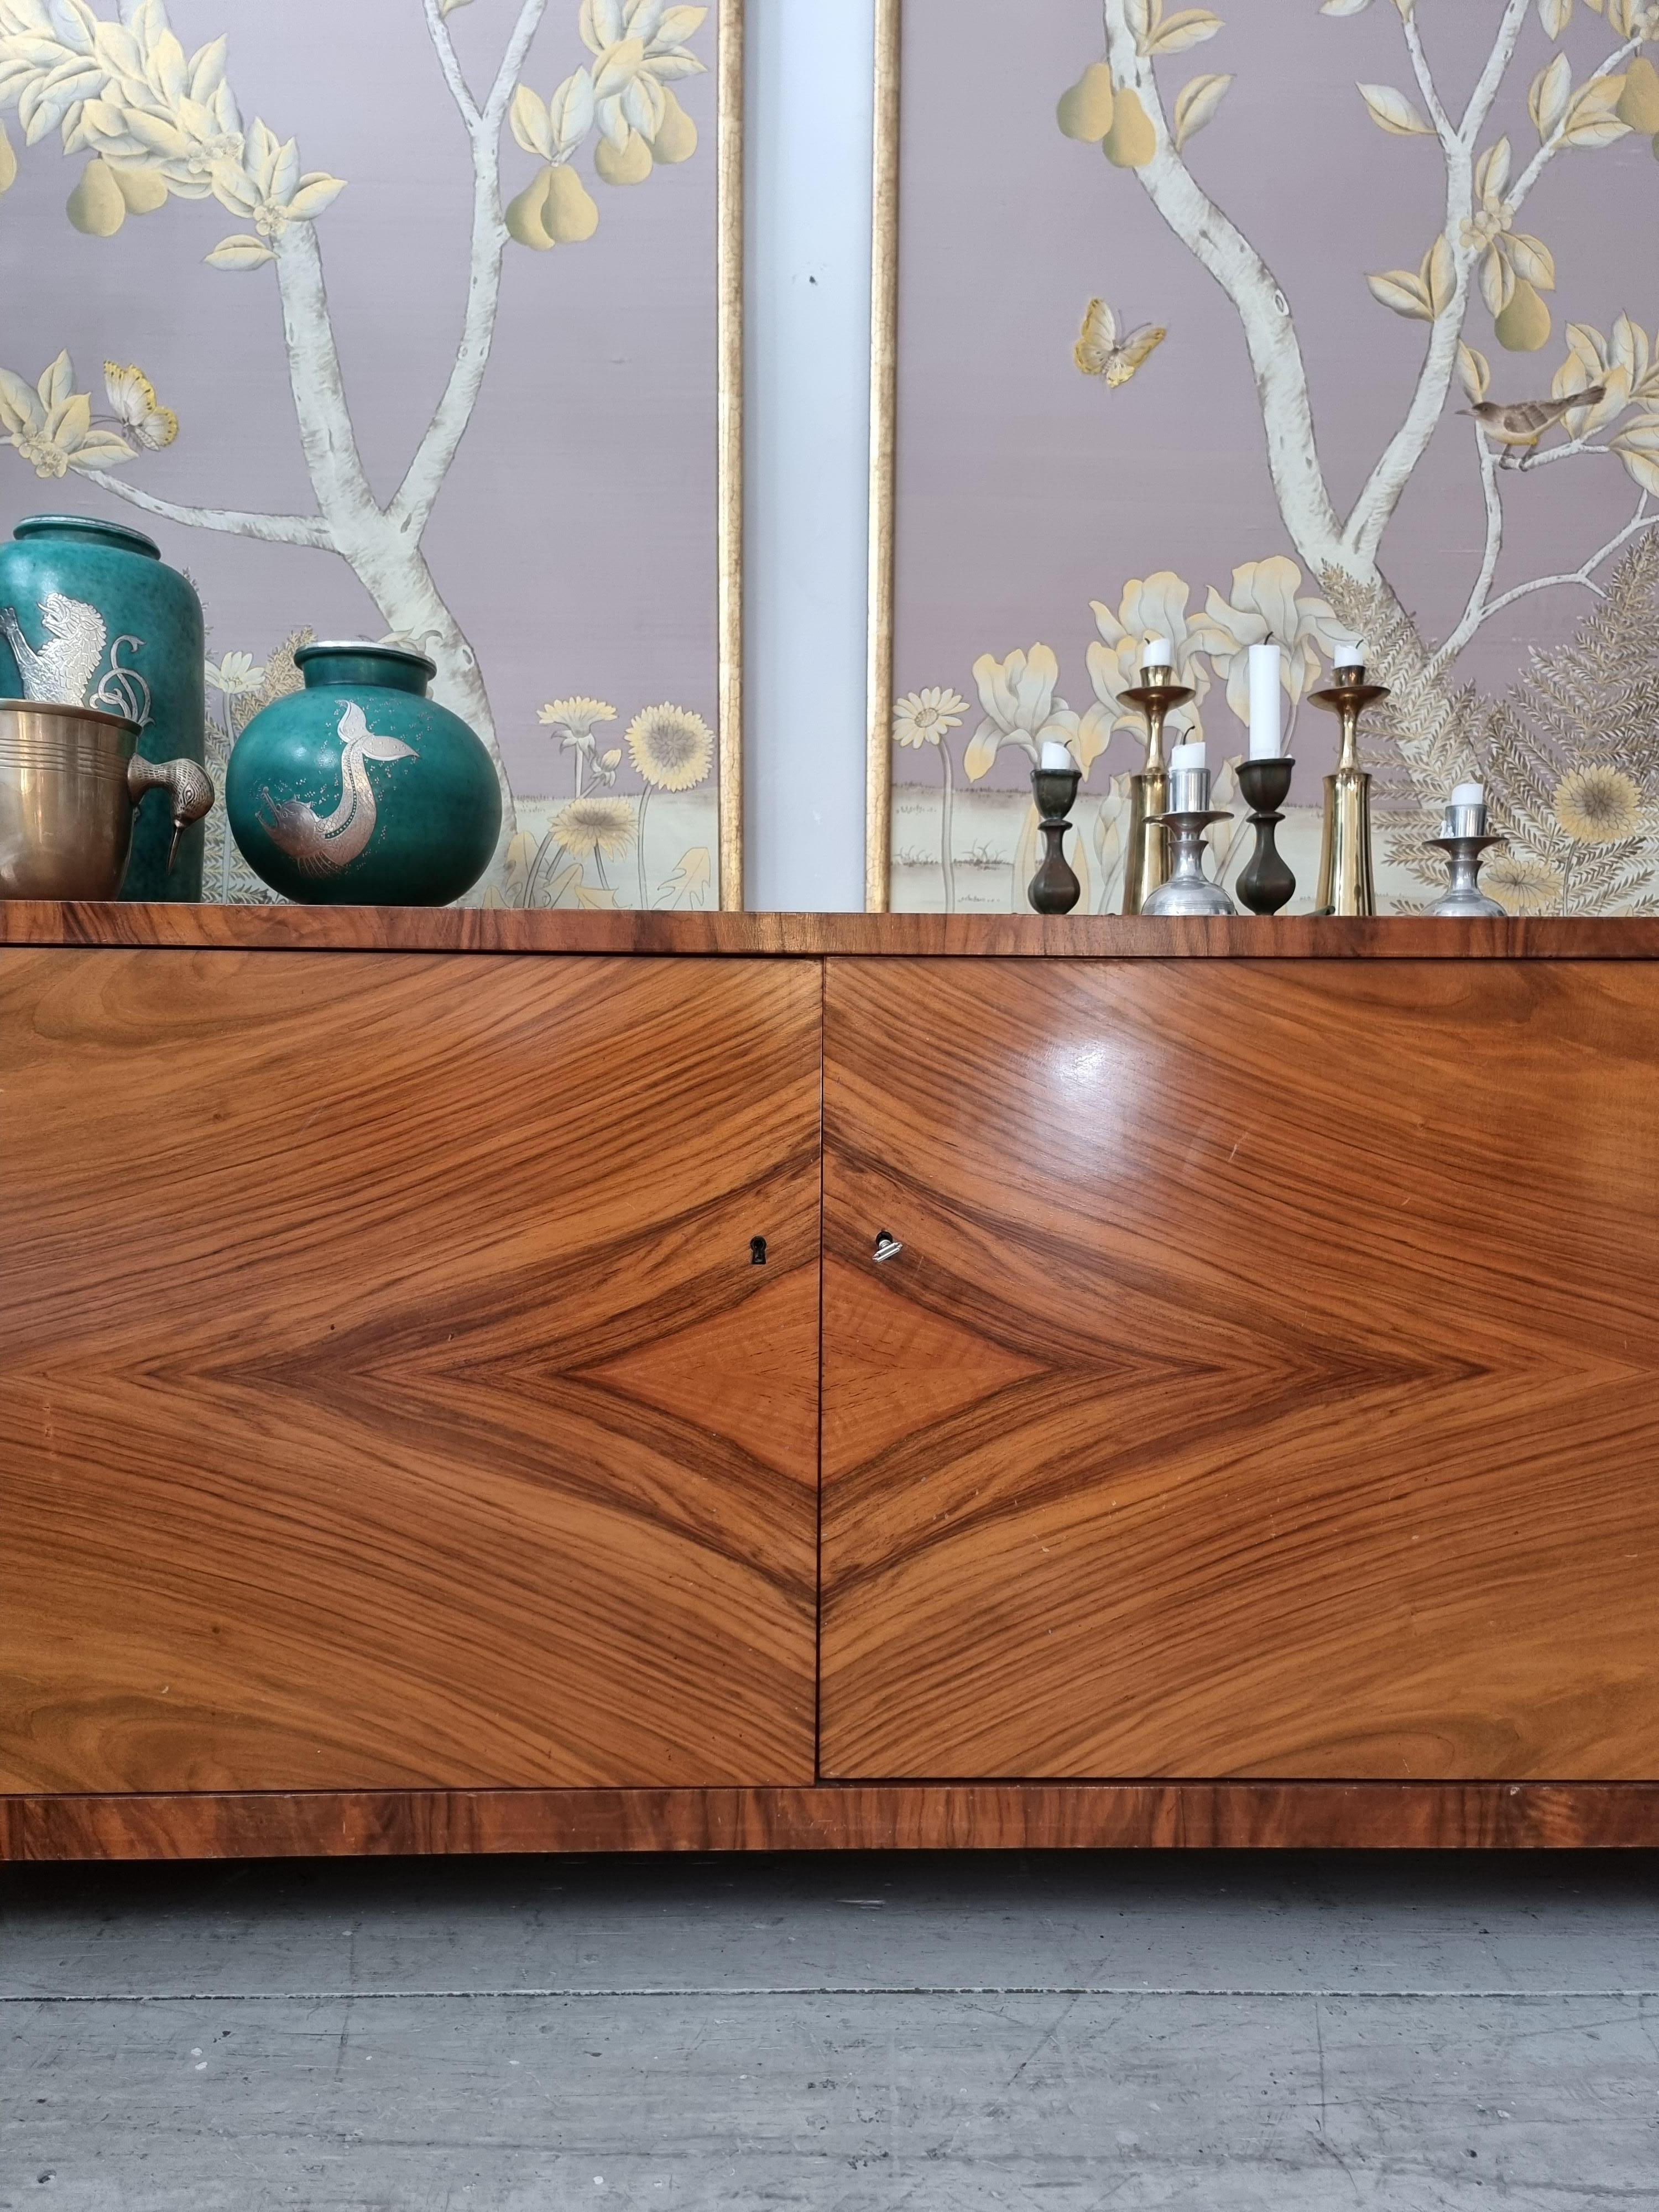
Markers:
1268,1382
389,1394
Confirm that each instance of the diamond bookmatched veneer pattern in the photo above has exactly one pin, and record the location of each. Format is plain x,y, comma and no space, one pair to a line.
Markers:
1269,1435
374,1390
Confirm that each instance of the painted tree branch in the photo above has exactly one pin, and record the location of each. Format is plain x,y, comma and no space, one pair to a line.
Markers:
327,437
449,62
424,477
1445,130
1573,448
1490,83
1220,246
386,557
1374,509
1553,144
1474,612
1584,576
274,529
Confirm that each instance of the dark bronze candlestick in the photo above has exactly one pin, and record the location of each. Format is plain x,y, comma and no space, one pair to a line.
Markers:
1054,888
1346,885
1265,884
1145,852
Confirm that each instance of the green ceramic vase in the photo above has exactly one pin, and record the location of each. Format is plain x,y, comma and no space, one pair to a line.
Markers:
91,616
360,790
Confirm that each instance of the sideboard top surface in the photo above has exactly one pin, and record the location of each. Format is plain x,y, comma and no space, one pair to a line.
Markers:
817,936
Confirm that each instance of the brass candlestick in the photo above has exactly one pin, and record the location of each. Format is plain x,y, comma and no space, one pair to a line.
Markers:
1346,884
1146,852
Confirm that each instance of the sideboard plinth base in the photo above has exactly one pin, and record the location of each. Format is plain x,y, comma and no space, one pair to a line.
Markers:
887,1816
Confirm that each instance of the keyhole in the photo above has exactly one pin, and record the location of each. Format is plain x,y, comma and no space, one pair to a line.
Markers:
758,1251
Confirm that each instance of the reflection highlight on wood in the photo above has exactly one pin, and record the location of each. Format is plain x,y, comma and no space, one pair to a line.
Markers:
387,1395
1270,1383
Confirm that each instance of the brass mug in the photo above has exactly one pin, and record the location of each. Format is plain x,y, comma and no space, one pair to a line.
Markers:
70,783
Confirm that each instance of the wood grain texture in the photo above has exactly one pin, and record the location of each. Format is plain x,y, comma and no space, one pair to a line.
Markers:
980,1816
388,1397
1269,1385
808,936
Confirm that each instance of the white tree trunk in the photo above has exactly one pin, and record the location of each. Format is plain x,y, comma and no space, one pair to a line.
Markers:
1264,314
385,554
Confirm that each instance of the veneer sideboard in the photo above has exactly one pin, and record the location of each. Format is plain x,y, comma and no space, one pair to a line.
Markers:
420,1334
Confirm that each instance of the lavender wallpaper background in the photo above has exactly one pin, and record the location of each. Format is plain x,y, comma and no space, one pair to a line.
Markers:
1376,219
475,382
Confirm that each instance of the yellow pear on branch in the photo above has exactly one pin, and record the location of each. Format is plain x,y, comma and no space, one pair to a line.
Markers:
629,164
1524,324
1639,103
1085,108
96,205
523,215
570,213
677,140
143,190
554,209
1132,141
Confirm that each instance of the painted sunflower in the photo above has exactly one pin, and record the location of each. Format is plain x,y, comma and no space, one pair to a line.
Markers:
1598,806
576,717
603,826
671,746
1522,884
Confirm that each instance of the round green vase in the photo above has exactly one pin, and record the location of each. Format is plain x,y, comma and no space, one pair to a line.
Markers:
91,616
360,790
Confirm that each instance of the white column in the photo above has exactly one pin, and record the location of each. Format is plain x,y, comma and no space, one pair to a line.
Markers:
809,96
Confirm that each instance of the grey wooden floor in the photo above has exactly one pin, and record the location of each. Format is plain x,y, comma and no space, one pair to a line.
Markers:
855,2035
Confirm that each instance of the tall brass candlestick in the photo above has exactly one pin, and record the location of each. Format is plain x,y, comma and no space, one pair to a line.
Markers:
1346,884
1146,852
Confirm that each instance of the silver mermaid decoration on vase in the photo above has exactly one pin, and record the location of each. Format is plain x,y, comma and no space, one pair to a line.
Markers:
322,844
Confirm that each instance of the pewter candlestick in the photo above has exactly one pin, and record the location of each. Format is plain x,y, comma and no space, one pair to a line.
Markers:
1054,888
1188,891
1463,839
1346,885
1145,852
1266,883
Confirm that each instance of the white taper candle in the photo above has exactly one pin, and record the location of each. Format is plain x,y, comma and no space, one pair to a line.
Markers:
1266,702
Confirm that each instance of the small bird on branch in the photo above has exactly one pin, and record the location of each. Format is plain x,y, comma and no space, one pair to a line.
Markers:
1518,425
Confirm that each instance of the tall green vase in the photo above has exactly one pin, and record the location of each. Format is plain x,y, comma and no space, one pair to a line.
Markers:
91,616
360,790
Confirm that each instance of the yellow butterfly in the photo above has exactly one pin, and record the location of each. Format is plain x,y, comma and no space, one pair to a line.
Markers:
132,396
1100,352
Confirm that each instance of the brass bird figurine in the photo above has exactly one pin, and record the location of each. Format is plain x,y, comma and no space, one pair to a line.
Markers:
1519,424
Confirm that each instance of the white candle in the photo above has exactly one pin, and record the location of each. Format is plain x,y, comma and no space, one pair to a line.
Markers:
1056,756
1184,759
1349,653
1159,654
1469,794
1266,702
